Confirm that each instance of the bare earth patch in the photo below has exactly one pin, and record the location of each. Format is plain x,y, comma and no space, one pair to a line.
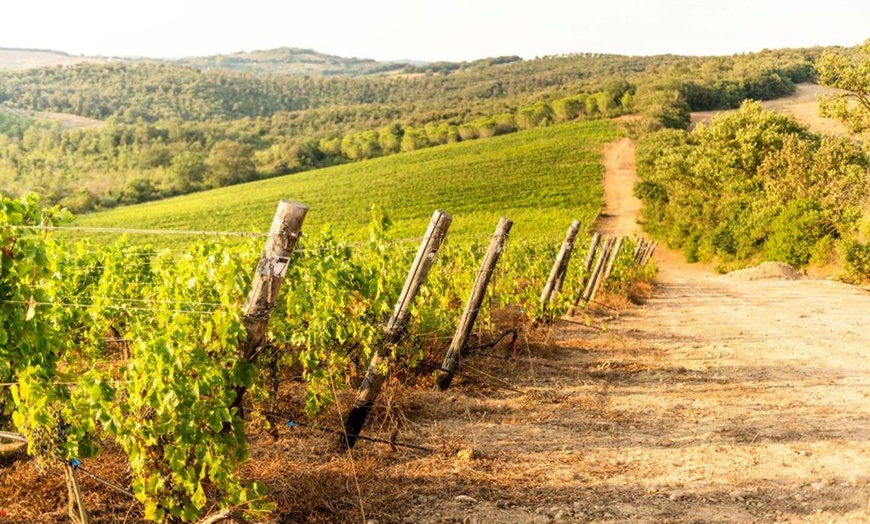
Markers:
803,105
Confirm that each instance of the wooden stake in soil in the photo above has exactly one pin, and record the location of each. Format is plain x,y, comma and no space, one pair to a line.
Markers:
374,379
587,267
595,277
469,315
283,235
614,254
649,253
77,510
638,250
560,266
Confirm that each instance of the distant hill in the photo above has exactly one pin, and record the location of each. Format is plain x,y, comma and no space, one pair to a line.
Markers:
293,60
298,61
30,58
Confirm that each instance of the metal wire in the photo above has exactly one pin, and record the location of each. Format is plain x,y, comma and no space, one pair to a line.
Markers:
105,306
121,230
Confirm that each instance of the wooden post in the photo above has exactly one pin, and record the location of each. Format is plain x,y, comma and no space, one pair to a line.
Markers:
587,267
600,277
285,231
560,266
374,379
77,510
649,253
590,256
612,261
469,315
594,278
563,272
638,250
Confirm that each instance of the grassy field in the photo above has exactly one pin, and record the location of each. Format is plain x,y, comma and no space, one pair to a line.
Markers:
541,179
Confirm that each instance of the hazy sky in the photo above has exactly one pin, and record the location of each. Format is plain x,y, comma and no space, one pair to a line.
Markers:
430,30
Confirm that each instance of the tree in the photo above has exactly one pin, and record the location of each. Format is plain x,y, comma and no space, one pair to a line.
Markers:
188,168
540,114
566,109
390,138
849,71
414,139
229,163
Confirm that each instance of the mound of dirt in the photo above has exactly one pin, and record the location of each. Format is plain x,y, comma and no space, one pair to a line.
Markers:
767,271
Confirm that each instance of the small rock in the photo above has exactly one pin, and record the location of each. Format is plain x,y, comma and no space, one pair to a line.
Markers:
678,495
372,521
818,486
559,515
465,499
858,480
501,504
738,494
798,497
467,454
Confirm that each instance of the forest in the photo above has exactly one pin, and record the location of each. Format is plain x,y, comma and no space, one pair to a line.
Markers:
171,128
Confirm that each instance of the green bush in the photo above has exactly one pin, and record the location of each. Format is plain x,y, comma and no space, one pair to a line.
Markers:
795,233
856,259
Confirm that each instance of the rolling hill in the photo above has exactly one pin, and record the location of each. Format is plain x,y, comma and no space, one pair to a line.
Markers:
30,58
541,179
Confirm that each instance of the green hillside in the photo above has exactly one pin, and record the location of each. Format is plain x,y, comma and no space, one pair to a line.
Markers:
541,179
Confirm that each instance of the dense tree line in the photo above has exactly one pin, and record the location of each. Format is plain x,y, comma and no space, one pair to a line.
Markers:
125,163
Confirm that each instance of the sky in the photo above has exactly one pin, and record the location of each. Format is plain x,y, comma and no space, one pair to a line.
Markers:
429,30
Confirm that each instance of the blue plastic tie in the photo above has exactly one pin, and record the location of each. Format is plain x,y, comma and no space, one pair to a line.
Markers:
75,463
291,424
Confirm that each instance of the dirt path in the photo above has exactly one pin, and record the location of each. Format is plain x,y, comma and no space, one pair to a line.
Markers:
755,398
621,207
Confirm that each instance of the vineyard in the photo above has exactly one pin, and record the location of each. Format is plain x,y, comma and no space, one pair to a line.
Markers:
171,354
539,178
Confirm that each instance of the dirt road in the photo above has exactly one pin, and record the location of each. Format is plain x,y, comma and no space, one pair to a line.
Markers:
621,207
752,396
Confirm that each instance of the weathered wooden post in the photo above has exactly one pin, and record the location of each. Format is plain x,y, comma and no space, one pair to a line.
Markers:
560,266
563,271
649,253
374,378
469,315
599,276
638,250
595,277
612,262
590,256
283,235
76,506
587,267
